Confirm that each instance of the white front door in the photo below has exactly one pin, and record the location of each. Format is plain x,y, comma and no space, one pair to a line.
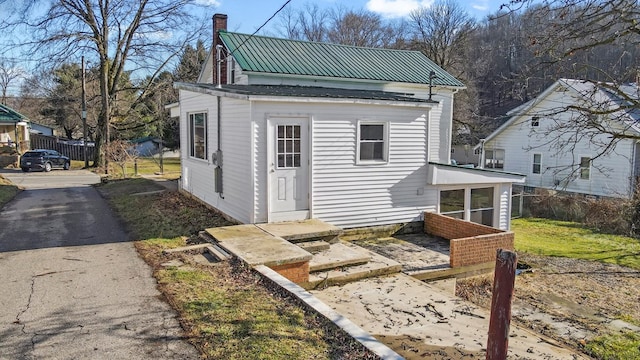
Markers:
289,169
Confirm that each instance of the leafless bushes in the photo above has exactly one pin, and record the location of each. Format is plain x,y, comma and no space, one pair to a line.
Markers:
610,215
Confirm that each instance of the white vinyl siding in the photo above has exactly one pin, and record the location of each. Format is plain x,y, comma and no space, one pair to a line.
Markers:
342,192
609,175
350,195
198,175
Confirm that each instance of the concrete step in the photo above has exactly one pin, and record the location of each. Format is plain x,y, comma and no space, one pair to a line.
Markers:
303,231
314,247
377,265
208,251
339,255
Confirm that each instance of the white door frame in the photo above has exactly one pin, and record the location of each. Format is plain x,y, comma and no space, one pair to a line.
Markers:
305,123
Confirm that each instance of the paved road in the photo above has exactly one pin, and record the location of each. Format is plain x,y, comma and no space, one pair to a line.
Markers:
72,284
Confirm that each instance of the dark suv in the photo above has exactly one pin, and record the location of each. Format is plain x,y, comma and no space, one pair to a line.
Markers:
43,160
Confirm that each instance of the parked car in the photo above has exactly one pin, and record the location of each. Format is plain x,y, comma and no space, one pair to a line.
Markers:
41,159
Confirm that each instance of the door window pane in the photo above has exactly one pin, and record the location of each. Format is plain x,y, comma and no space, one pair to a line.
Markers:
289,146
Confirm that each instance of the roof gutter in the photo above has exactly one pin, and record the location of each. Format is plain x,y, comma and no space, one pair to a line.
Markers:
302,99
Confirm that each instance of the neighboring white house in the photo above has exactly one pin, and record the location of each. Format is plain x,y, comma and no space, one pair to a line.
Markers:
465,154
345,134
39,129
540,141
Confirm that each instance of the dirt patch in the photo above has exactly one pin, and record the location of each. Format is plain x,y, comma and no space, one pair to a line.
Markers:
416,252
412,348
566,299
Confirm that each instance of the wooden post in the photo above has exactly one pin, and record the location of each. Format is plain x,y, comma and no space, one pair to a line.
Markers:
503,283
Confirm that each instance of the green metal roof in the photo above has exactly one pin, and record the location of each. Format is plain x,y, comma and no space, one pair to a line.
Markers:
8,115
292,57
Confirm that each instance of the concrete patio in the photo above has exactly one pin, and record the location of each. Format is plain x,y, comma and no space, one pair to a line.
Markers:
379,283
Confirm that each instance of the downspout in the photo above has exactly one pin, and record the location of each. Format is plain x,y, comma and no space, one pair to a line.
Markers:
481,164
633,181
219,68
217,157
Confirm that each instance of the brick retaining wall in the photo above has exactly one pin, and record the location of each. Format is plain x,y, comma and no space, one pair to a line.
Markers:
296,272
469,243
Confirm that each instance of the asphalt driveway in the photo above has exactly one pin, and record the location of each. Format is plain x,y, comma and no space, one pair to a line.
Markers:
73,286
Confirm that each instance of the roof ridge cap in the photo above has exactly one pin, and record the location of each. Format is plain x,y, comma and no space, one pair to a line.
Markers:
323,43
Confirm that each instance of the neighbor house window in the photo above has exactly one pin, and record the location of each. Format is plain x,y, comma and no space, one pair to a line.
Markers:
537,163
372,142
585,167
198,135
481,211
452,203
494,159
535,121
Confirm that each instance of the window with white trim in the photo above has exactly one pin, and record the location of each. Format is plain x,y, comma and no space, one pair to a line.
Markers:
481,211
494,159
471,204
537,163
585,168
198,135
452,203
372,142
535,121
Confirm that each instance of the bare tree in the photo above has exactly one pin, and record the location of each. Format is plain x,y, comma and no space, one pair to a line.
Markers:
309,23
119,37
341,26
598,44
443,31
9,72
360,28
121,153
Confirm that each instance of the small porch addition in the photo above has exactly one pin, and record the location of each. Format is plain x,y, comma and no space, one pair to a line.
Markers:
481,196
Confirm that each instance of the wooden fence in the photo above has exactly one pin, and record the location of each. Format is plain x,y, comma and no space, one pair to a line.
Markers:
73,151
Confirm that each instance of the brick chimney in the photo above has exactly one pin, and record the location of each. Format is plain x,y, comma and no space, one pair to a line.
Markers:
219,23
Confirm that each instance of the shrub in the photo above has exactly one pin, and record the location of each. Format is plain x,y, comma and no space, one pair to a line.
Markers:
609,215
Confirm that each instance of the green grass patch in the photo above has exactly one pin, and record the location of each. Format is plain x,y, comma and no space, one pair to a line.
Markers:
225,309
147,166
7,191
615,347
165,214
572,240
240,320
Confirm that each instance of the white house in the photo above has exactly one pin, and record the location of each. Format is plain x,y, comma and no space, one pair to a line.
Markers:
563,140
284,130
14,129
